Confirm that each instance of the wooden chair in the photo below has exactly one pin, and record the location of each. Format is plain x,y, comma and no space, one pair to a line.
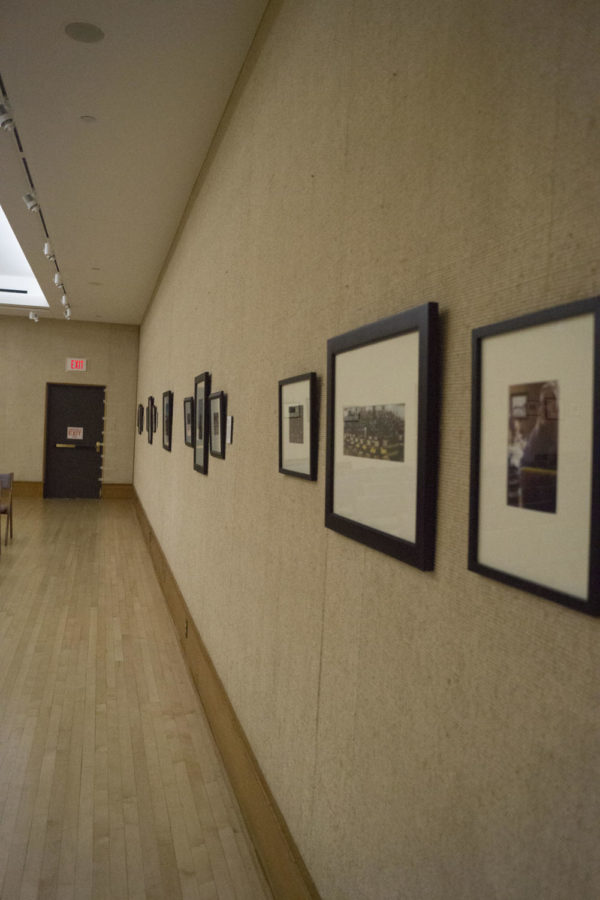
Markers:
6,506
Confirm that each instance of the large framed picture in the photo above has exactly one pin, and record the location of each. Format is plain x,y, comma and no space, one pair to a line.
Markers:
188,421
201,429
382,434
535,454
167,419
218,423
298,426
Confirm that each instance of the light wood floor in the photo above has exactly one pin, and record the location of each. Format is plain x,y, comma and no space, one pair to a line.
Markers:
110,783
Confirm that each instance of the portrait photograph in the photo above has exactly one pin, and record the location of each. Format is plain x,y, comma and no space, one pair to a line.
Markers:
532,453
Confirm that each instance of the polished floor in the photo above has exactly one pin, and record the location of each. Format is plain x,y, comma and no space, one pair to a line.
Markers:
110,782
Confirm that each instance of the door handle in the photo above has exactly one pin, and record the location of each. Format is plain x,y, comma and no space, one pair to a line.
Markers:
70,446
99,444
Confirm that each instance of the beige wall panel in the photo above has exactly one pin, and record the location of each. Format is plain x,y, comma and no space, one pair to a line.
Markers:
425,735
33,355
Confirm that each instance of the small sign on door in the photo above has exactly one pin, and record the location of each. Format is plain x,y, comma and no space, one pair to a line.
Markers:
74,434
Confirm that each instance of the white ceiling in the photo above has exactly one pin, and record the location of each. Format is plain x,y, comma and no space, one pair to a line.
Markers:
112,191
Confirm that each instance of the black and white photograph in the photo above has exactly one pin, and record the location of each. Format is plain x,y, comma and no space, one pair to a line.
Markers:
375,432
296,423
532,469
534,463
200,420
298,426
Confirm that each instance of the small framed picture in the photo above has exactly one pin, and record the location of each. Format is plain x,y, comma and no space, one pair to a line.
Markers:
535,454
140,418
167,419
218,423
382,434
298,426
151,419
200,416
188,421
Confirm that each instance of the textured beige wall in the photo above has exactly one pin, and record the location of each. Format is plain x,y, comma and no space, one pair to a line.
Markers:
426,735
32,355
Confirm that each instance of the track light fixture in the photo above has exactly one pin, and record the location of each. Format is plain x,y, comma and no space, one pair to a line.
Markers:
49,252
67,312
34,316
30,201
7,123
64,300
58,280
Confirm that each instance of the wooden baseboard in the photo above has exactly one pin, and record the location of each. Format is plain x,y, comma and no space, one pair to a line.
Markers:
284,868
28,489
109,491
117,492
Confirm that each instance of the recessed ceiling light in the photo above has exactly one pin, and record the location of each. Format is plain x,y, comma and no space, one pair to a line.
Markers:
84,32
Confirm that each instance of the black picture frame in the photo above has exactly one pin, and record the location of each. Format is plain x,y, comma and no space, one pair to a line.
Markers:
534,518
201,431
151,419
140,418
188,421
217,402
298,426
382,434
167,419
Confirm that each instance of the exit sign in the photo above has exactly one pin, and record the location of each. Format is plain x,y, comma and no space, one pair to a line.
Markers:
76,365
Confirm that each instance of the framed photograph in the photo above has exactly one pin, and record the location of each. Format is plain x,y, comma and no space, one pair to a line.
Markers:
535,454
201,441
151,419
298,426
188,421
218,423
382,434
140,418
167,419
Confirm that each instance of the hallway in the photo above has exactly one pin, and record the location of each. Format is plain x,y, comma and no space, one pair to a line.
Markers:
110,783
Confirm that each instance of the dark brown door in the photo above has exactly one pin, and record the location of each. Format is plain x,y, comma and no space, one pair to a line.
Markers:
74,438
